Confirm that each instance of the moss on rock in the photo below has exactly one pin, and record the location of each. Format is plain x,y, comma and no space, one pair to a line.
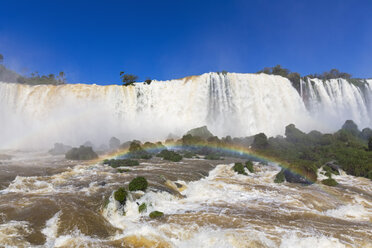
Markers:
156,214
329,182
280,178
249,166
142,207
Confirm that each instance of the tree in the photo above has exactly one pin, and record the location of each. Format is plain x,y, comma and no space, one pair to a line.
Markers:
128,79
370,144
61,77
1,58
260,141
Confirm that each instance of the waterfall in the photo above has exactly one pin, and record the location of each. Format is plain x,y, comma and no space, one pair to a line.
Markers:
333,101
229,104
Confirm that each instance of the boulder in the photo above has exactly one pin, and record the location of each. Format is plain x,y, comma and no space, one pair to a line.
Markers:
201,132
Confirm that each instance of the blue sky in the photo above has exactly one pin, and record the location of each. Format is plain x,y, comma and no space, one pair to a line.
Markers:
92,41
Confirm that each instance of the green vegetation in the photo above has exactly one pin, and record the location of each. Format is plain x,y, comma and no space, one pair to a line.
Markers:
36,79
370,144
128,79
138,183
81,153
260,141
170,155
136,151
156,214
280,178
329,182
121,195
305,153
249,166
213,156
142,207
189,155
114,163
239,168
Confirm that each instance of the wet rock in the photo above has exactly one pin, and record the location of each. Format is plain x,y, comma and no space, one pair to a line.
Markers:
280,178
292,177
332,167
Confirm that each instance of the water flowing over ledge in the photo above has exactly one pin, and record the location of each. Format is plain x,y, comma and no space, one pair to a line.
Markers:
229,104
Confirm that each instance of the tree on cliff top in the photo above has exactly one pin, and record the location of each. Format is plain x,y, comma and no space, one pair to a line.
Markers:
128,79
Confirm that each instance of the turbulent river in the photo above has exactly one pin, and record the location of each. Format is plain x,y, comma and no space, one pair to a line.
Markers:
47,201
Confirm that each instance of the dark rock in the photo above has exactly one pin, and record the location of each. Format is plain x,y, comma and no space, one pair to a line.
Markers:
201,132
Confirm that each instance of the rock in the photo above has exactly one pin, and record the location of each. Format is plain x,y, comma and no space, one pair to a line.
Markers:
114,143
59,149
142,207
332,167
81,153
295,178
201,132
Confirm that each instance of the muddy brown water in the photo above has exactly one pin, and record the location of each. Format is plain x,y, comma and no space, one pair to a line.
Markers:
48,201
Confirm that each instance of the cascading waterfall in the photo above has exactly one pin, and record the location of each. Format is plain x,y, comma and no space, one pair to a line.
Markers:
229,104
333,101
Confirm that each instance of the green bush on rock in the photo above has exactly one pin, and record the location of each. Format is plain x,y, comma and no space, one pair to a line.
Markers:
280,178
249,166
239,168
156,214
212,156
170,155
329,182
114,163
121,195
138,183
142,207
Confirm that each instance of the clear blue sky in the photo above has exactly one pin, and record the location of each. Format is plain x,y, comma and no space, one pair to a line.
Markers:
92,41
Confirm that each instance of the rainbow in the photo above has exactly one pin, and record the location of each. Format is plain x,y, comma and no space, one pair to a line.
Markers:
240,151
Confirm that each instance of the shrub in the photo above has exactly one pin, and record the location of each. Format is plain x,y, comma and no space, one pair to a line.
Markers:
260,141
239,168
329,182
212,156
280,178
188,155
170,155
156,214
114,163
142,207
370,144
138,183
249,166
121,195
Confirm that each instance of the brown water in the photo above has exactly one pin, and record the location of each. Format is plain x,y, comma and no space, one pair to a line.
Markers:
47,201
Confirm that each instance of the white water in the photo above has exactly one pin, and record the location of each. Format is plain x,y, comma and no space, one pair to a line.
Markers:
232,104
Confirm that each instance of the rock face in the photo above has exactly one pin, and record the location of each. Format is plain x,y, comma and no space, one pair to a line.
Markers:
295,178
81,153
201,132
59,149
